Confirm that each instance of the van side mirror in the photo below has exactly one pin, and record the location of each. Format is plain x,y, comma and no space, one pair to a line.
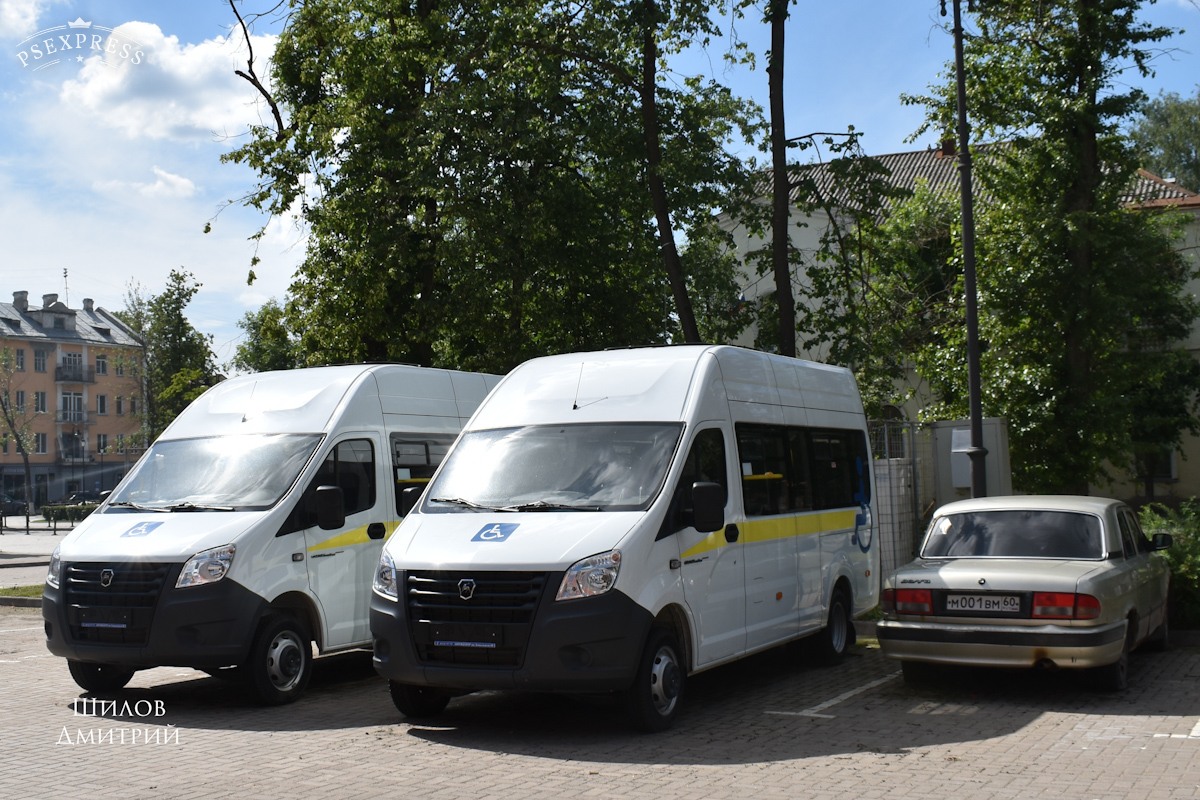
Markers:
409,497
1161,541
708,506
331,509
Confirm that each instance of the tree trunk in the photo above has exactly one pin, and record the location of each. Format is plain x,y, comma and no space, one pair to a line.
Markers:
780,243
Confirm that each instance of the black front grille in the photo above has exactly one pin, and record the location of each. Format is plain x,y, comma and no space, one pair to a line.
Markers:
112,603
473,618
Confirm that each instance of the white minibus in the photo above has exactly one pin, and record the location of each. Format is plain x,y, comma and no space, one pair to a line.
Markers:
252,527
615,521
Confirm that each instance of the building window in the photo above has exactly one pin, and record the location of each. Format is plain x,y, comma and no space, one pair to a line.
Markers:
120,443
39,402
20,404
20,359
39,360
101,365
102,404
39,444
120,406
119,369
132,405
101,443
72,407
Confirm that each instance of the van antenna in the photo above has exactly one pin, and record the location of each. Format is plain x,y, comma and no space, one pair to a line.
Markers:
575,405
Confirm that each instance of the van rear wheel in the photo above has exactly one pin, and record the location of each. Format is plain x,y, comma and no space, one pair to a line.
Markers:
836,638
653,700
93,677
418,701
280,661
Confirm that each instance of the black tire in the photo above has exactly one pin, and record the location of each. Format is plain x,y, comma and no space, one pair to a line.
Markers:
93,677
1113,677
418,702
657,692
1160,640
280,661
836,638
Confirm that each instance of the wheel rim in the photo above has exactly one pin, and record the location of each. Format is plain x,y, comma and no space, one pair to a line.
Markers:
665,681
285,661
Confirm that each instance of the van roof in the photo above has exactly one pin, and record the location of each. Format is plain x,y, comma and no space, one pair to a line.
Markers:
655,384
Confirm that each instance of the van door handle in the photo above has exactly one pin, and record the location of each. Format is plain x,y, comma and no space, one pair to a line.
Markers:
375,530
731,533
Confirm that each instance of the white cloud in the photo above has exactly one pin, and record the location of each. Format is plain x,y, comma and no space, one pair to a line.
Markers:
165,185
19,18
172,91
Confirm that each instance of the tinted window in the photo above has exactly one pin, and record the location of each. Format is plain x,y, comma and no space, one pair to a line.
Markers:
789,469
1014,534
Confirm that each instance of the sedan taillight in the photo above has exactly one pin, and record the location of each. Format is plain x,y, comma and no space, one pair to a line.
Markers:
1065,605
908,601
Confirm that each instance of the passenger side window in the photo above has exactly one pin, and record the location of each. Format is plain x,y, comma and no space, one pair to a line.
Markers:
767,475
1129,535
414,460
351,466
705,462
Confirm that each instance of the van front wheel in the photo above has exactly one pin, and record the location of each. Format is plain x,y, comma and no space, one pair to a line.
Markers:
653,700
418,701
280,661
93,677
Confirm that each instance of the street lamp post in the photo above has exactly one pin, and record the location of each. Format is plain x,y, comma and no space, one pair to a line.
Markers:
977,452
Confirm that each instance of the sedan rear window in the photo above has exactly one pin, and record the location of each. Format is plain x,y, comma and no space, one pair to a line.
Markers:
1014,534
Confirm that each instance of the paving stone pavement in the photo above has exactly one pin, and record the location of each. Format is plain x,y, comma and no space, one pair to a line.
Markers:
772,726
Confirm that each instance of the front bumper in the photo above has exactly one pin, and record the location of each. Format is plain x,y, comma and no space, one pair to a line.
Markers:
201,627
586,645
1002,645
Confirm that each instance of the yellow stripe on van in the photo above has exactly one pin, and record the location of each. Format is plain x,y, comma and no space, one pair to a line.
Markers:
351,537
768,529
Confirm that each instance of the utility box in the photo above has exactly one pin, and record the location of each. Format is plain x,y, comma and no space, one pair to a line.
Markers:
951,443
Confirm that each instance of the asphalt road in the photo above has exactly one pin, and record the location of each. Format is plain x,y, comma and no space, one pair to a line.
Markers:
772,726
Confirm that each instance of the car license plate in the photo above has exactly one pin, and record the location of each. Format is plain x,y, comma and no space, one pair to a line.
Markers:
103,618
486,637
984,603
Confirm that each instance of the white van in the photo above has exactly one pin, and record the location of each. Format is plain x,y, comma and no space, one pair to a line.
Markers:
615,521
253,526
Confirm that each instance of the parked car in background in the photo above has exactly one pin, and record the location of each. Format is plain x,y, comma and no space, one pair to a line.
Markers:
10,505
84,497
1033,581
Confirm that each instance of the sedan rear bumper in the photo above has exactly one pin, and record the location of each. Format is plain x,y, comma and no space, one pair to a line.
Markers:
1002,645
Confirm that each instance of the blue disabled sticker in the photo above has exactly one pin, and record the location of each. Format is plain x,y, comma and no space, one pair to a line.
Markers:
495,532
142,529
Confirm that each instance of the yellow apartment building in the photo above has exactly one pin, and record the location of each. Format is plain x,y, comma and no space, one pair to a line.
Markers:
73,380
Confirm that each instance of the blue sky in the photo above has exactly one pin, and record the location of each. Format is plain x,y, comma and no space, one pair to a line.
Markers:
110,163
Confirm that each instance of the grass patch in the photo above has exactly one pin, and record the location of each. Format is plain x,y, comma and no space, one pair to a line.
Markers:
21,591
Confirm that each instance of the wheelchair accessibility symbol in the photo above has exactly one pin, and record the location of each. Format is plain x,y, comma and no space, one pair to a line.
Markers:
496,532
142,529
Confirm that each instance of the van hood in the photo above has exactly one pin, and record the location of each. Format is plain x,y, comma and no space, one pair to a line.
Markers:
542,541
169,536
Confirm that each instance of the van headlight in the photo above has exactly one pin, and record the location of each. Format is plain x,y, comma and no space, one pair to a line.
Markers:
209,566
55,567
385,577
591,576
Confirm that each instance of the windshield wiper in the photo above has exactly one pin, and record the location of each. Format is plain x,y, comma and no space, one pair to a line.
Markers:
138,506
543,505
197,507
459,501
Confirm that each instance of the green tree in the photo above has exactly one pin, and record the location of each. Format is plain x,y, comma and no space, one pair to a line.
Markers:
268,342
1167,137
1082,299
478,178
179,363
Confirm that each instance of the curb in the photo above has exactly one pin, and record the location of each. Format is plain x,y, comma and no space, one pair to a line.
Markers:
21,602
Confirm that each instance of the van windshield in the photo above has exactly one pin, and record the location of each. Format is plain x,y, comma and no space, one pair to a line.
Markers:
594,467
221,473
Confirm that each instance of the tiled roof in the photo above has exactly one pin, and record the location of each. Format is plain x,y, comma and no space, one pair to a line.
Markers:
940,171
92,326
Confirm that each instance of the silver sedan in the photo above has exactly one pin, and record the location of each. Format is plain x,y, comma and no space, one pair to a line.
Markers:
1029,581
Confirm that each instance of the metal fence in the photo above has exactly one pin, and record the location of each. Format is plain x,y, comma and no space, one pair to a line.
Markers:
905,480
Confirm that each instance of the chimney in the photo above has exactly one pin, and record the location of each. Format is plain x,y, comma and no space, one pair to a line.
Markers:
87,304
49,300
21,301
945,148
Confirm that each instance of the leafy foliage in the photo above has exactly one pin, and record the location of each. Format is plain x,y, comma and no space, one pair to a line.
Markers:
476,176
267,345
1166,140
1082,301
1183,524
